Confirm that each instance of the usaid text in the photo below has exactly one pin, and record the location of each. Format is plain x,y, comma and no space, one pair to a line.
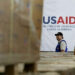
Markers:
59,20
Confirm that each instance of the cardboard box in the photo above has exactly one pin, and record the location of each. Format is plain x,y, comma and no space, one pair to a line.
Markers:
22,7
37,11
4,25
18,41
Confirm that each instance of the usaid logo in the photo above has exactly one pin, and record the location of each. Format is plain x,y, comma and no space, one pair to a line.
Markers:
59,20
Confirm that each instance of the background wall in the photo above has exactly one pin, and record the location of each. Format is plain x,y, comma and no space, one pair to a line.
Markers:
58,8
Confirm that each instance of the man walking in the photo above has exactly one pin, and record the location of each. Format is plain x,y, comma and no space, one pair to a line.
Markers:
62,45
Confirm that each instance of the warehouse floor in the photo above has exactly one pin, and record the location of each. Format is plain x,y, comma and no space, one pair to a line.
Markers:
51,63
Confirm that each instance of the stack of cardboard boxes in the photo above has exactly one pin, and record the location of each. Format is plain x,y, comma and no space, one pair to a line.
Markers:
18,30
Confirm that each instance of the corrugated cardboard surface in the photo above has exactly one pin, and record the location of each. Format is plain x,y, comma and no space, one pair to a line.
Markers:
22,7
24,41
4,25
37,11
37,15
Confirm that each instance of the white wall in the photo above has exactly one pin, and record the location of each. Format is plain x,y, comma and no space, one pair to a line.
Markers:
57,8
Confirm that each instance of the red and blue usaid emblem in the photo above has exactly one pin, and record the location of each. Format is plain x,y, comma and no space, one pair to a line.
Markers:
59,20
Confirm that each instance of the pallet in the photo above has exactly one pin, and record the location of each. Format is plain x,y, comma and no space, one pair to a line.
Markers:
62,63
10,70
13,69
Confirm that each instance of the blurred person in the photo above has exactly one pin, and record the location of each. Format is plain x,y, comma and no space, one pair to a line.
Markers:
62,45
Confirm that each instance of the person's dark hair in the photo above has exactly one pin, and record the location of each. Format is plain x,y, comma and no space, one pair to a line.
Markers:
62,37
59,33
